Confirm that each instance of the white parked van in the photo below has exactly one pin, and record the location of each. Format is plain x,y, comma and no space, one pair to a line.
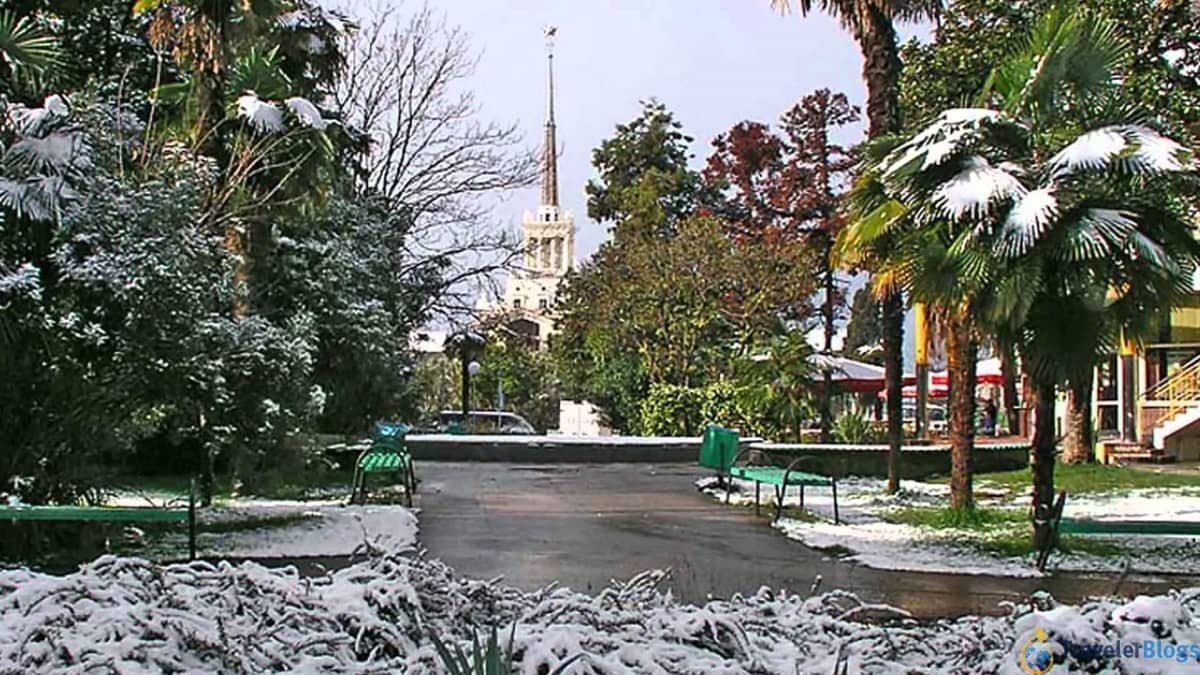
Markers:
487,422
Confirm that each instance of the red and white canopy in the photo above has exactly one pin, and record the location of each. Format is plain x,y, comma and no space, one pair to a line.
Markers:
849,375
987,371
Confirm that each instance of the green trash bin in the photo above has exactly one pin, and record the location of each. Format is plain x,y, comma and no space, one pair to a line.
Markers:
718,448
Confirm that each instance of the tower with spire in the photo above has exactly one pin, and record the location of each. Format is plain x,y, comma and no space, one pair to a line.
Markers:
547,235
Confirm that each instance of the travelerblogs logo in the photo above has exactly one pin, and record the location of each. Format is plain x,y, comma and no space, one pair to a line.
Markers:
1038,654
1034,656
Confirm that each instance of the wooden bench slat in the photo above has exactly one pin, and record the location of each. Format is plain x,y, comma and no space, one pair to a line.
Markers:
97,513
1146,527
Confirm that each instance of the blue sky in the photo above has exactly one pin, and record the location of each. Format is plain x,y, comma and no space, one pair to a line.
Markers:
712,62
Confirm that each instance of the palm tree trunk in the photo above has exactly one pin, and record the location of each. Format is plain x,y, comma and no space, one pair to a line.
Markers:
876,37
1042,461
1080,440
1008,373
961,352
892,313
881,71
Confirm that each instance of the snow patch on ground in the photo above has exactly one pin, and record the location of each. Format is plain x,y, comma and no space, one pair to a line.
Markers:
322,528
128,615
288,529
866,538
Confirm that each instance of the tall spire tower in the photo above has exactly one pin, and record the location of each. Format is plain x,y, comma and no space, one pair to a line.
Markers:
548,238
550,142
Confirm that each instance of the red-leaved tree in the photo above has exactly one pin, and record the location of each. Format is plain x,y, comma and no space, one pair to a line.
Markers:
784,187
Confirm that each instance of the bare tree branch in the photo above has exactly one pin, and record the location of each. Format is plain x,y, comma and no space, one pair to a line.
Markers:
404,87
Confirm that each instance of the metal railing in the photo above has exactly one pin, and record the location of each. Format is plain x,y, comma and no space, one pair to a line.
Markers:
1179,392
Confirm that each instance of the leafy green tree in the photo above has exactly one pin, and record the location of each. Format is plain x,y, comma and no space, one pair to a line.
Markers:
645,186
936,260
110,284
515,368
345,265
973,36
672,298
1163,42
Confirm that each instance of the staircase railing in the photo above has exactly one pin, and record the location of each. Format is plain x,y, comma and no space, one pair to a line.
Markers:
1179,391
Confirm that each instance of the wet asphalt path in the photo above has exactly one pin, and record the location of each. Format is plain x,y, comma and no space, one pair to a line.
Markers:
582,525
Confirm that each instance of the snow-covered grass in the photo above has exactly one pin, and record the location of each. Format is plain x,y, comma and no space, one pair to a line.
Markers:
253,527
310,528
128,615
913,530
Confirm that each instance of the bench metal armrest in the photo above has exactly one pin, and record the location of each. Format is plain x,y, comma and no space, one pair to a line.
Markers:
754,457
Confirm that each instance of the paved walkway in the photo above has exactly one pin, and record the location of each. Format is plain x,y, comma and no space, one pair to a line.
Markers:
582,525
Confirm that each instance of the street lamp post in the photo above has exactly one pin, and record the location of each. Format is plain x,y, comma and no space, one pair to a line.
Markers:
468,345
470,368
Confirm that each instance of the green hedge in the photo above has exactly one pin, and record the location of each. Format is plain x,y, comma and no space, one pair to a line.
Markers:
674,410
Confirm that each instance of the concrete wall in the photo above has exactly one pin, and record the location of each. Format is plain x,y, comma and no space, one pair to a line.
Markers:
552,449
915,463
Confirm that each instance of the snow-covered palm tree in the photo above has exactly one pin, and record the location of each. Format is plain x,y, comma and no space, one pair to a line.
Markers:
1049,210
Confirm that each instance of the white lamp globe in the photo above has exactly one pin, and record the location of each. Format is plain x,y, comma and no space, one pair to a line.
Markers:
473,368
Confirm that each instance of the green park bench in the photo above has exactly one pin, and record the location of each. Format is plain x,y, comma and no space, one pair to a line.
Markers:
387,454
719,451
121,514
1091,527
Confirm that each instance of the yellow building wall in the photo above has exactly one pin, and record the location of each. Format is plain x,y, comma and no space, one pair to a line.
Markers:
1185,321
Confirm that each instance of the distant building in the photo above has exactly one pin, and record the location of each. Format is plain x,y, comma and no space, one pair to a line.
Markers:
548,238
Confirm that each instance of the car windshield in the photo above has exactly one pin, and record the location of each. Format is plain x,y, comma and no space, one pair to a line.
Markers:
483,420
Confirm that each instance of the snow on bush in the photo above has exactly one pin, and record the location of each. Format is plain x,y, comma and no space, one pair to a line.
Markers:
128,615
262,115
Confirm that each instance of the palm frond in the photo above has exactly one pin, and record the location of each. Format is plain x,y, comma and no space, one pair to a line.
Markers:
1026,222
1133,149
976,189
1093,234
1068,50
865,232
946,137
261,72
26,47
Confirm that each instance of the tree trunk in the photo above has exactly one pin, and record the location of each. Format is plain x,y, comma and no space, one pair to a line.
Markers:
1080,440
827,310
961,352
876,39
208,476
881,71
1008,372
892,311
1042,462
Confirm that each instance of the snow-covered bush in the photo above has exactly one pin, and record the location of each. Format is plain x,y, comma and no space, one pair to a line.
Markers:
116,294
120,614
348,266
